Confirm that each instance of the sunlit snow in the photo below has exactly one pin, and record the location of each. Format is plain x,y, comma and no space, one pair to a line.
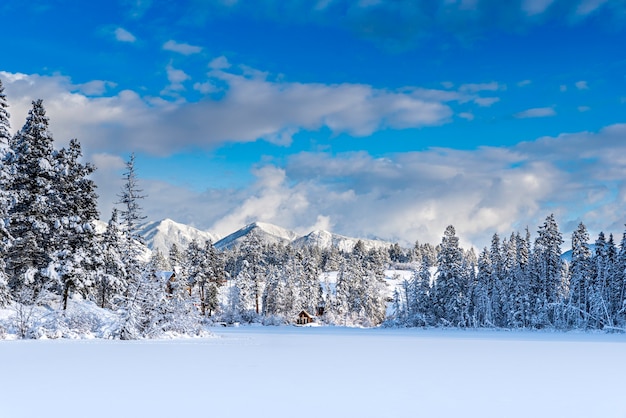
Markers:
319,372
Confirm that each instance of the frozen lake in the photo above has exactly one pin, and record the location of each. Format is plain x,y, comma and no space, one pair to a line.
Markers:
319,372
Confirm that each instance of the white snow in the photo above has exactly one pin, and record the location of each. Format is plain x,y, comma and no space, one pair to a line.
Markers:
268,233
162,234
319,372
326,240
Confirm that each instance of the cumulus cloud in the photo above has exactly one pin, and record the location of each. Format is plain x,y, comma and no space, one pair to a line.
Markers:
537,112
250,107
415,195
123,35
400,197
181,48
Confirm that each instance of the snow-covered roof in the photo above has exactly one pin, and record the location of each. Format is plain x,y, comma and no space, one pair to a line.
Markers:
165,275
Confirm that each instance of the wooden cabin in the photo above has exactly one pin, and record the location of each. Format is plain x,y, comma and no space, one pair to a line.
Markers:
304,318
168,278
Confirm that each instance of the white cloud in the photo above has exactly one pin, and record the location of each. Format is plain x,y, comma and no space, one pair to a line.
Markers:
251,107
123,35
478,87
95,87
581,85
537,112
219,63
586,7
176,78
535,7
466,115
583,108
486,101
416,195
206,88
181,48
402,197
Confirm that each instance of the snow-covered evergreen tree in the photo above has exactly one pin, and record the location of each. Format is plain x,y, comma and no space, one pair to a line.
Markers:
481,312
580,282
547,276
131,216
110,281
5,126
620,283
450,287
30,184
206,274
5,237
74,234
175,258
252,253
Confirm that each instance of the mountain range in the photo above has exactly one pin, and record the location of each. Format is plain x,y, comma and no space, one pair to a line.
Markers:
162,234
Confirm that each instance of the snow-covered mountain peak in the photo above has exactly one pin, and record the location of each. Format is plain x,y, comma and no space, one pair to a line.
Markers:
325,240
162,234
268,233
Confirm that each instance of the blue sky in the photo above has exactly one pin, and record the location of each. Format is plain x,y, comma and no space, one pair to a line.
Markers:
387,119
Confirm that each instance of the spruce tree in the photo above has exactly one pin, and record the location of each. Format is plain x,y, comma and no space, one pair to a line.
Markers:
450,286
74,243
131,216
580,282
29,162
5,237
5,126
547,283
110,281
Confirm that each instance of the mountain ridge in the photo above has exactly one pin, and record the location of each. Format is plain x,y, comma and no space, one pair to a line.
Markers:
160,235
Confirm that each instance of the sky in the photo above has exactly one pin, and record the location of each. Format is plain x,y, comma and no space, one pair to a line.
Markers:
369,118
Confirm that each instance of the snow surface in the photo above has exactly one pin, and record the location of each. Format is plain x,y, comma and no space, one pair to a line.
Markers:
319,372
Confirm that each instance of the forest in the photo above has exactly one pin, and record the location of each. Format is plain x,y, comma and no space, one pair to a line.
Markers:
51,255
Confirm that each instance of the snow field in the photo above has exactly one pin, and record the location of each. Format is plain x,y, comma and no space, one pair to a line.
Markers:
319,372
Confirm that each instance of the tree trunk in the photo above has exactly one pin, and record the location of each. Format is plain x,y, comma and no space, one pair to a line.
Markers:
66,293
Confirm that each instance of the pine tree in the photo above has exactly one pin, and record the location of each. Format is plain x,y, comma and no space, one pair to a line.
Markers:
580,283
5,126
5,237
112,270
206,274
450,286
131,216
603,264
547,285
175,258
482,314
30,184
419,303
74,232
251,250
